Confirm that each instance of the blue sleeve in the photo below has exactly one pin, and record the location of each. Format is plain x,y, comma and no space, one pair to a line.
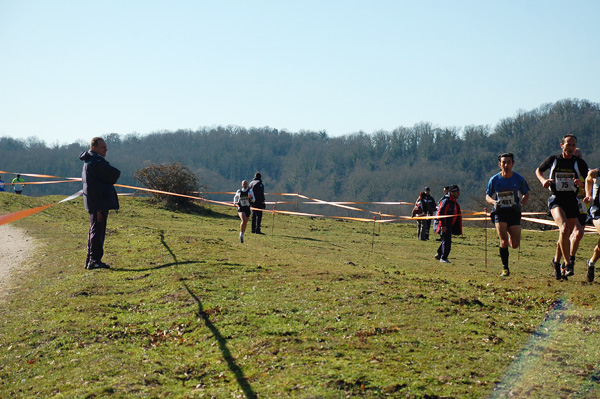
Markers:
524,187
490,187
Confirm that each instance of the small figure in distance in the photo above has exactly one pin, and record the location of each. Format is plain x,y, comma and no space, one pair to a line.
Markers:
592,193
452,224
258,189
99,196
503,193
429,208
16,184
563,182
242,200
1,184
418,211
436,221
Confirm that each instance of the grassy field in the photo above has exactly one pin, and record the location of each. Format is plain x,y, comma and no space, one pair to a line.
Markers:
316,308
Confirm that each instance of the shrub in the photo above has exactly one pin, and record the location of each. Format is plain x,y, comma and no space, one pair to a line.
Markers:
174,178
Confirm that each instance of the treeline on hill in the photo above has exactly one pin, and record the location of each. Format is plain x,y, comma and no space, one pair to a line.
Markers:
381,166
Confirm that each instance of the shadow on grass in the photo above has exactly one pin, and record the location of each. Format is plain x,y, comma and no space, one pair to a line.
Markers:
187,262
302,238
235,369
175,263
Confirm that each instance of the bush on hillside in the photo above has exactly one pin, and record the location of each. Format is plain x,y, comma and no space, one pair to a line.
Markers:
173,178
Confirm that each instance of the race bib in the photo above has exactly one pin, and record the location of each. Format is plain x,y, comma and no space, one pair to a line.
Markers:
565,182
506,199
244,201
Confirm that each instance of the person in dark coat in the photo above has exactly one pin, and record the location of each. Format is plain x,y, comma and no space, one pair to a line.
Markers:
450,224
99,196
428,206
258,189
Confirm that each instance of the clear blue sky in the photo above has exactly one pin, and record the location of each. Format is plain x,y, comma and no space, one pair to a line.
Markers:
73,69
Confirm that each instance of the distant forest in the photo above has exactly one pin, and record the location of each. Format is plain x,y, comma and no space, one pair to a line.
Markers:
378,166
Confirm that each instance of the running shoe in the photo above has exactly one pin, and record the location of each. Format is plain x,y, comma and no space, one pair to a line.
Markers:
438,257
442,260
557,269
590,271
570,269
505,272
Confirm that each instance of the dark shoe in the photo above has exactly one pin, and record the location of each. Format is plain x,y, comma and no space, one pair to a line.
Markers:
590,272
89,265
437,257
97,265
557,270
442,260
563,271
505,272
569,270
260,232
102,265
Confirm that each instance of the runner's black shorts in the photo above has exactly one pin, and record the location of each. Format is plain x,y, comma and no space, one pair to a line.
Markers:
244,209
506,215
569,205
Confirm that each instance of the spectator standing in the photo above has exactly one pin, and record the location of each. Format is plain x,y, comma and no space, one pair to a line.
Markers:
17,184
429,208
503,193
242,200
99,196
450,224
436,221
1,184
258,189
418,211
563,182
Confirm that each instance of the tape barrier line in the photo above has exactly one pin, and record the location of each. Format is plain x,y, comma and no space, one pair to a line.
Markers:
11,217
314,201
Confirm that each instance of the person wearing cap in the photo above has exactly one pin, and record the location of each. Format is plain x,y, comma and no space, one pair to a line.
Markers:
503,193
563,182
16,184
427,205
258,189
449,222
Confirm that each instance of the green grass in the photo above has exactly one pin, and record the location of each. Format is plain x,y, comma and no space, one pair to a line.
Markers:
314,309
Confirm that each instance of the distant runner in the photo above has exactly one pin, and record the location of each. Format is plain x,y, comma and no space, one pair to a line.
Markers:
503,193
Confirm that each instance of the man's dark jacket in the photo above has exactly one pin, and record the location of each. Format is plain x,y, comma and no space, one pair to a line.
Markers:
98,178
259,191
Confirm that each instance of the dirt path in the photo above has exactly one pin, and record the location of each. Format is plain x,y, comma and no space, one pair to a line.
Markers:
15,248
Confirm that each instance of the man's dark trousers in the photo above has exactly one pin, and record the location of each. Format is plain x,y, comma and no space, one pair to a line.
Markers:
257,218
446,244
96,236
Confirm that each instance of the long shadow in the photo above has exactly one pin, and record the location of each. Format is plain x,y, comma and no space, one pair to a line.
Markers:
175,263
235,369
187,262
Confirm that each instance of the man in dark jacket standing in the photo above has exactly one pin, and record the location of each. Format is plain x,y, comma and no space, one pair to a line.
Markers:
258,189
450,224
99,196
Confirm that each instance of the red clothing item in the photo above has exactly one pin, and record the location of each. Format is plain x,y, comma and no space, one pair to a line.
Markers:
449,206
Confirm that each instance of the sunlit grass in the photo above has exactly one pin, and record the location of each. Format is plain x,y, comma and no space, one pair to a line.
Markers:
315,308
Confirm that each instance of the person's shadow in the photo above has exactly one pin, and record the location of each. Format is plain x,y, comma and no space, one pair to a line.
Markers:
235,369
